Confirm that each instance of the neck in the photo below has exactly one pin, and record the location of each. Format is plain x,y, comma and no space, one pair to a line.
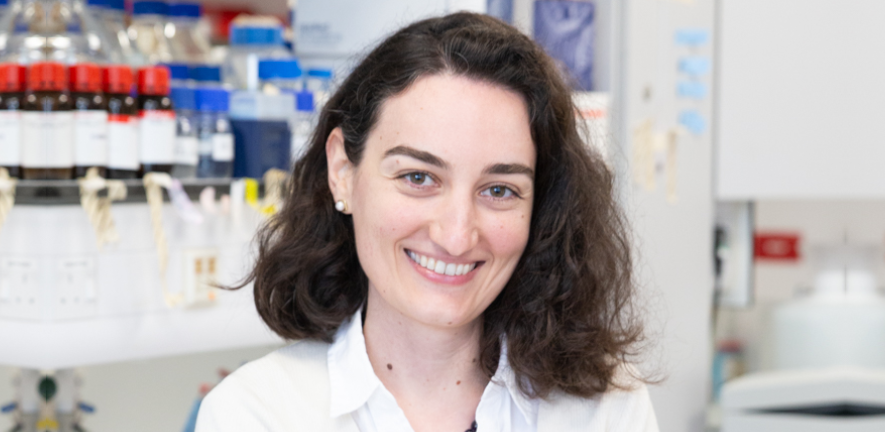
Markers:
427,369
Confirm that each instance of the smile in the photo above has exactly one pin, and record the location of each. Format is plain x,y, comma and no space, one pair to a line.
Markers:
441,267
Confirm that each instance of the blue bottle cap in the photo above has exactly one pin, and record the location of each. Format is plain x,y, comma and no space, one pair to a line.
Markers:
119,5
185,10
256,35
212,99
182,98
304,101
177,71
320,73
279,69
205,73
150,8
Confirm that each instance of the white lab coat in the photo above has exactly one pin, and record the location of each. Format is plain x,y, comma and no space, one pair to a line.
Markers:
289,391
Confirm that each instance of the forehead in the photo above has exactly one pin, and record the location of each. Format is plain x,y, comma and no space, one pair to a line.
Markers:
458,119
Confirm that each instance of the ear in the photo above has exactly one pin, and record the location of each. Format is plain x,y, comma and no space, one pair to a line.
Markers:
340,168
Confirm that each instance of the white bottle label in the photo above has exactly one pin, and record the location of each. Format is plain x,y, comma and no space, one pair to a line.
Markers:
90,138
47,139
223,147
156,137
186,150
10,138
122,142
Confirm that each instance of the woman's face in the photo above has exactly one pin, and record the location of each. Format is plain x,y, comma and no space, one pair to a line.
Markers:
442,198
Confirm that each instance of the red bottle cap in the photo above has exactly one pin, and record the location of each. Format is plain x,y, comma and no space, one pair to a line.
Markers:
47,76
117,79
12,77
85,78
153,81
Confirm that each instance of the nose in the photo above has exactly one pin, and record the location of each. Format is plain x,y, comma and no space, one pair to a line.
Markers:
455,227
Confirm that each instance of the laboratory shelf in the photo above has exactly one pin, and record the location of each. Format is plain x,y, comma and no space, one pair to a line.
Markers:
61,192
66,301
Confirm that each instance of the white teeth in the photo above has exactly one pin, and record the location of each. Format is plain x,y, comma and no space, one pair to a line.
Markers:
440,266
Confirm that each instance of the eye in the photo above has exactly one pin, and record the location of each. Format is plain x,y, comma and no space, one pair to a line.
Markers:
499,192
419,178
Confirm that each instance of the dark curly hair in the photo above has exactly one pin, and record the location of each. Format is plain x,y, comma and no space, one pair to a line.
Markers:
567,311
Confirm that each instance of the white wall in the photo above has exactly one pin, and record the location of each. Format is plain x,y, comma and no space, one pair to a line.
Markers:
674,235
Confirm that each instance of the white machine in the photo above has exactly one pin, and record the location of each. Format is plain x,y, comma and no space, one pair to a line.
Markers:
839,399
829,355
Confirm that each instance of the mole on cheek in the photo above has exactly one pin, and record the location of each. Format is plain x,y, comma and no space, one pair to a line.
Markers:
389,366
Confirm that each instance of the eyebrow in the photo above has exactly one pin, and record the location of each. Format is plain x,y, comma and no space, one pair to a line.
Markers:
430,159
422,156
510,169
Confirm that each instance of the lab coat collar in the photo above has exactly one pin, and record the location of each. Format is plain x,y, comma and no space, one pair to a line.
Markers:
353,380
351,376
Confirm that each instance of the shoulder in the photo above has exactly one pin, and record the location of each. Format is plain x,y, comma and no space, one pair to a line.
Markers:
287,387
624,409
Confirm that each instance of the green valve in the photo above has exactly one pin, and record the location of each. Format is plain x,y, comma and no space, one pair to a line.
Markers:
47,388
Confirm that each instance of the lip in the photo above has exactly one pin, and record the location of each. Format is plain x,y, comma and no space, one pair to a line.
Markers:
441,278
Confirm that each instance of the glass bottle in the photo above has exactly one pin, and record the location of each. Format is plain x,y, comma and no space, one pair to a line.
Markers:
186,43
156,120
147,33
113,18
123,162
12,86
216,140
249,42
90,119
186,142
47,125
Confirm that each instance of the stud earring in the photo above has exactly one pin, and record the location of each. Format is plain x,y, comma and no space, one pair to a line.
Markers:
341,206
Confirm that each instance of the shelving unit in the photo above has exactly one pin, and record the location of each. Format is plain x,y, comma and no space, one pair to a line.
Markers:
64,302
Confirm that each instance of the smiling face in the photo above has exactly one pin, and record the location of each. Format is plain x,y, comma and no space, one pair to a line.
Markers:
442,198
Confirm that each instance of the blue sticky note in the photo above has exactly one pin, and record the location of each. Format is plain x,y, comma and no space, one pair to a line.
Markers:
693,121
692,37
691,89
695,66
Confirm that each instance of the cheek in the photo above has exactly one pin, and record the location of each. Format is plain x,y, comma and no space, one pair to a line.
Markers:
509,235
381,216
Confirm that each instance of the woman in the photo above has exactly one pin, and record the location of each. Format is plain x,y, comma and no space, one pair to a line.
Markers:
450,256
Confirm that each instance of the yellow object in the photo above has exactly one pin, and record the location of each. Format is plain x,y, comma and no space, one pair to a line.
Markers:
274,180
252,192
47,425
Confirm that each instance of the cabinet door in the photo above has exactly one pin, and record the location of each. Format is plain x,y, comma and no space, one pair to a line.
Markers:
801,99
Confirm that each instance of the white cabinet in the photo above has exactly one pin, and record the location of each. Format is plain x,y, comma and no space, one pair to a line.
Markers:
801,99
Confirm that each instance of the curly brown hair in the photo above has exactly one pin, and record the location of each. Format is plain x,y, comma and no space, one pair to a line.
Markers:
568,309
